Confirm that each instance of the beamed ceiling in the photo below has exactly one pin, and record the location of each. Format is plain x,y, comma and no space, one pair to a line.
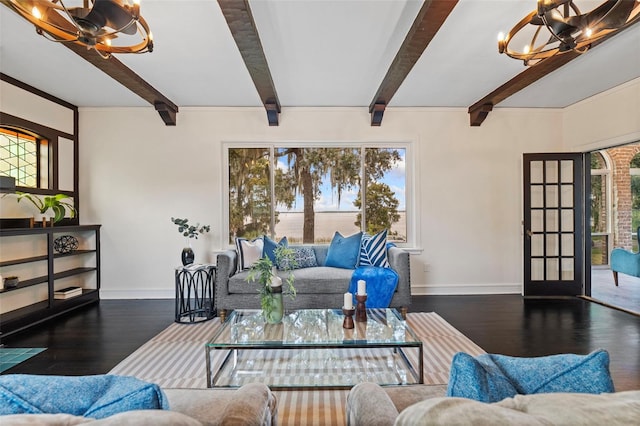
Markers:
374,54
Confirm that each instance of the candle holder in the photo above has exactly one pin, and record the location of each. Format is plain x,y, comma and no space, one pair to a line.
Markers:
348,317
361,311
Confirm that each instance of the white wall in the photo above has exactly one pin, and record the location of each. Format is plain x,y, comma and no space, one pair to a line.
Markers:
136,173
608,119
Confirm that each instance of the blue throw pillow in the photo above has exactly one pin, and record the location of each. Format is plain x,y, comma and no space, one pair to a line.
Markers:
96,396
344,251
491,378
270,247
373,250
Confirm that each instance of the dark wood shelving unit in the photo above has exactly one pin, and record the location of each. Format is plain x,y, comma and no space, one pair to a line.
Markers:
43,310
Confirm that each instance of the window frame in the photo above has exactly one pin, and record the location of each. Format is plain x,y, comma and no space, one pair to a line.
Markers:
410,194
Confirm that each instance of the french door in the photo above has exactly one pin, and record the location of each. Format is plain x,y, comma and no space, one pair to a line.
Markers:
554,212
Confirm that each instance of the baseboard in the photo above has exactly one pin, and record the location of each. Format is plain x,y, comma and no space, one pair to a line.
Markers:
137,294
465,289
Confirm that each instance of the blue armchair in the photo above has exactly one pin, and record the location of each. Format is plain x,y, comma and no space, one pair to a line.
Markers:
625,261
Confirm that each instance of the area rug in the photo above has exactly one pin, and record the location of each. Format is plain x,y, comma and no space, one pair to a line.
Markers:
10,357
175,358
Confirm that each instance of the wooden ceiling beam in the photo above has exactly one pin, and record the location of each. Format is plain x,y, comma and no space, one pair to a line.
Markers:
123,75
239,18
478,111
129,79
424,28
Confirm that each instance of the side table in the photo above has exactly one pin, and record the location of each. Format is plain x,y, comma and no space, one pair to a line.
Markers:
195,293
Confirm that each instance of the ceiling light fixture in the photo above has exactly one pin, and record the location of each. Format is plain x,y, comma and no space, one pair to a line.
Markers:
95,24
569,28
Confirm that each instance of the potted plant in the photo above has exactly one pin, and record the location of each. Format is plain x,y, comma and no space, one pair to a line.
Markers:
270,284
54,203
189,231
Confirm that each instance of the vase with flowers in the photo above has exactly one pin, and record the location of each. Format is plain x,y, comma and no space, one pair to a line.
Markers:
270,284
189,231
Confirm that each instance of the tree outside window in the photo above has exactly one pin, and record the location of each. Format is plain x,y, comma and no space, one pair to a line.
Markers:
316,191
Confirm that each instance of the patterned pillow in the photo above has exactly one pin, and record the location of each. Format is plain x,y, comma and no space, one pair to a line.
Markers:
373,250
303,257
249,252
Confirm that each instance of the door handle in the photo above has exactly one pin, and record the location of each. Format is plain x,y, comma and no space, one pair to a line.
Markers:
529,233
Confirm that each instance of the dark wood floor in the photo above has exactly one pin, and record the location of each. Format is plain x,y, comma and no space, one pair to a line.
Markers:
96,338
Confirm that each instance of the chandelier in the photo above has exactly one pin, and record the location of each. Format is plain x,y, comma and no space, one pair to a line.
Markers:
96,24
567,28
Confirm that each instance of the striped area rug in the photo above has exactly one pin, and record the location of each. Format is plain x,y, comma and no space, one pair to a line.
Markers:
175,358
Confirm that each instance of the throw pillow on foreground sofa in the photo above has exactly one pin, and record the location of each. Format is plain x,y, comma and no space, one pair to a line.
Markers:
97,396
491,378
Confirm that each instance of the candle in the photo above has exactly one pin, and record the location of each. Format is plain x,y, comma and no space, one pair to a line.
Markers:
348,300
362,287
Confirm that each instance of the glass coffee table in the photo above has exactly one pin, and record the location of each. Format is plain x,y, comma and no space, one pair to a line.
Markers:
311,349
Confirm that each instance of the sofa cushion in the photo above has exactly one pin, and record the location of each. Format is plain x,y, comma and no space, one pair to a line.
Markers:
91,396
270,246
344,251
249,252
620,408
303,257
318,280
135,417
491,378
373,250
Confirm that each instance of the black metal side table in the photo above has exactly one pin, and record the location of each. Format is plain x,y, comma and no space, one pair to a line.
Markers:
195,293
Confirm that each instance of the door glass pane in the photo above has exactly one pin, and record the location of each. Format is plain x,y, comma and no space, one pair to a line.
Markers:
567,196
537,245
567,244
537,221
553,248
553,271
536,171
552,220
537,199
537,269
566,171
567,269
552,196
552,171
567,220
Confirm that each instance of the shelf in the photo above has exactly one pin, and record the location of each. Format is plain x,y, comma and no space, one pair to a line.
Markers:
24,260
27,314
10,232
43,257
44,279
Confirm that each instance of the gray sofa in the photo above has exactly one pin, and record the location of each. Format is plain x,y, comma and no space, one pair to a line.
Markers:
317,287
251,405
371,405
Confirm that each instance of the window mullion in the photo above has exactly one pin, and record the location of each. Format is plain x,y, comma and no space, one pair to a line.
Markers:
272,188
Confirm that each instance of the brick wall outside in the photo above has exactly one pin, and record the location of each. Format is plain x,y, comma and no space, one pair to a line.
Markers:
622,200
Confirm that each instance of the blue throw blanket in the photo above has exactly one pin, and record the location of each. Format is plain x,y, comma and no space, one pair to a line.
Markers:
97,396
381,284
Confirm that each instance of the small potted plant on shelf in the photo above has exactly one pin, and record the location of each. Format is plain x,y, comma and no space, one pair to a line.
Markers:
53,203
189,231
270,284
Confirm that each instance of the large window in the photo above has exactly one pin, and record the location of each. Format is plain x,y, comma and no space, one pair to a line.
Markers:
306,194
24,157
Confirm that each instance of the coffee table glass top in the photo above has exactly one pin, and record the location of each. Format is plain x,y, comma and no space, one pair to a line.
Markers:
311,349
314,327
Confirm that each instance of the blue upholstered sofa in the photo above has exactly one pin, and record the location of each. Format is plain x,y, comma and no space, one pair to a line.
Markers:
625,261
317,287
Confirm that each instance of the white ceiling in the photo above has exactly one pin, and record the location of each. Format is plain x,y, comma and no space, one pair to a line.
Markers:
320,53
